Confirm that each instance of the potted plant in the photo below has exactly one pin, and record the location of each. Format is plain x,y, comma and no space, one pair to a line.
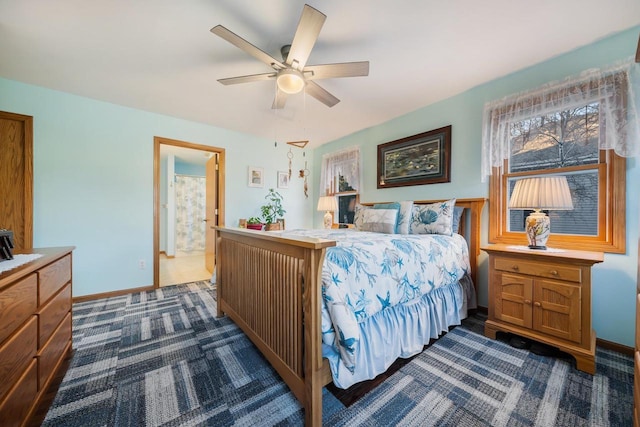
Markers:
254,223
272,210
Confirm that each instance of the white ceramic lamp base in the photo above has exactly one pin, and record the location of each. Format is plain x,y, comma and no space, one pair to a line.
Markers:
328,220
538,229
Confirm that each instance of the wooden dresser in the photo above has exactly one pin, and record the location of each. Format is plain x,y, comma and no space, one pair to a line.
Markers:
35,330
544,296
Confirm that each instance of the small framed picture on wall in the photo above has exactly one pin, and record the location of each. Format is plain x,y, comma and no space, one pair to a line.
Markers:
256,177
283,179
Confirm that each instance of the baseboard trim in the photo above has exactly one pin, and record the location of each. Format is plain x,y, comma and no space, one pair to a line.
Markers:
121,292
628,351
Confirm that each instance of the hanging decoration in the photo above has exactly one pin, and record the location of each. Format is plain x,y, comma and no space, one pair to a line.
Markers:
290,156
304,173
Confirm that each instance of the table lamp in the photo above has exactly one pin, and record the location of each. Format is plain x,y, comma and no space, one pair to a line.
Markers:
328,204
540,193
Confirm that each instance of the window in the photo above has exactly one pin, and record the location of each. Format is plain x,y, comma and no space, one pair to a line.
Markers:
340,176
573,129
340,172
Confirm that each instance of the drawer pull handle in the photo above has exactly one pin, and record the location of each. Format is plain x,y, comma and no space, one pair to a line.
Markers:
537,304
515,268
527,301
554,272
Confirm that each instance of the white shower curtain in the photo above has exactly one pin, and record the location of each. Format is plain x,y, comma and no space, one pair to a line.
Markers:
190,212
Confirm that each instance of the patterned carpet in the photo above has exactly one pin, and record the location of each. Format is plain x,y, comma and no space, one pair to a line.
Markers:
162,359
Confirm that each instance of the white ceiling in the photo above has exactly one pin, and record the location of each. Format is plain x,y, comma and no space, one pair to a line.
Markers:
159,56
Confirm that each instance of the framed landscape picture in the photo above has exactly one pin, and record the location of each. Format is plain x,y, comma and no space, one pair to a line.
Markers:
420,159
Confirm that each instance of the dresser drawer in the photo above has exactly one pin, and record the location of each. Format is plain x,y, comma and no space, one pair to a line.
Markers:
53,277
16,353
539,269
52,313
15,407
17,303
49,356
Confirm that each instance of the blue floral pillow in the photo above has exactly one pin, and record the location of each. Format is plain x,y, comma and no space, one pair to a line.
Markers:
358,216
435,218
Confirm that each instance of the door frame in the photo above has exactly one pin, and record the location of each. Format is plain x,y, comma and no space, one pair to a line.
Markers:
25,239
157,142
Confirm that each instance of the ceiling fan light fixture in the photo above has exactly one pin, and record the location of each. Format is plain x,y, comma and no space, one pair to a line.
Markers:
290,81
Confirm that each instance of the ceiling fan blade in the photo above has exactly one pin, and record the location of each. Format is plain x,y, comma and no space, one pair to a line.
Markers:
241,43
306,35
247,79
344,69
321,94
279,100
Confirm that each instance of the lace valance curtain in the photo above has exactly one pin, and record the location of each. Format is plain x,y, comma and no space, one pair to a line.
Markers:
616,89
340,171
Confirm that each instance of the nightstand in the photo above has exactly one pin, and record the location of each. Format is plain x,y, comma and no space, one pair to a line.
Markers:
544,295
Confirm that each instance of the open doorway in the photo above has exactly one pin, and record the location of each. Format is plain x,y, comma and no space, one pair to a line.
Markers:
188,201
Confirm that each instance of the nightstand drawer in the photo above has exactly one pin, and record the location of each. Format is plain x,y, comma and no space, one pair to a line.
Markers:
539,269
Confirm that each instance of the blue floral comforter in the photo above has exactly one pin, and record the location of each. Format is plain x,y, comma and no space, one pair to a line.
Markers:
367,272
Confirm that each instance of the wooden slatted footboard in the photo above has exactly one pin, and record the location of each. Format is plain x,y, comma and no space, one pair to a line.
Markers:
271,287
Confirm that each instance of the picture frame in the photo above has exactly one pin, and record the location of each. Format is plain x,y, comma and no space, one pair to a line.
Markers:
283,179
256,177
419,159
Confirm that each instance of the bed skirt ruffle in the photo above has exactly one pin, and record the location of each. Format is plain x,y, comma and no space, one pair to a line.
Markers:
403,331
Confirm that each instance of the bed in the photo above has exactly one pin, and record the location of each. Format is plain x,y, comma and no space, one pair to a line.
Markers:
271,285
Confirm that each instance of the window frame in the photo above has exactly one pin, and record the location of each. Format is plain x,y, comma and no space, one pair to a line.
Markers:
611,207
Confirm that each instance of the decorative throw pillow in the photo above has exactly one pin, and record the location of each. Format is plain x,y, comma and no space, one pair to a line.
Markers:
435,218
404,216
358,216
393,205
380,220
457,214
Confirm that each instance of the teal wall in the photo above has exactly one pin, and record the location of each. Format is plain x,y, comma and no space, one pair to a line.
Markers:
93,180
614,281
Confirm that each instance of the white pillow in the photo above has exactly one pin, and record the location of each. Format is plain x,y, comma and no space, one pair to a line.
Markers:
379,220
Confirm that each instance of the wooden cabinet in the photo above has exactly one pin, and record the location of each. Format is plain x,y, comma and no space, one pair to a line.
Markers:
544,296
35,330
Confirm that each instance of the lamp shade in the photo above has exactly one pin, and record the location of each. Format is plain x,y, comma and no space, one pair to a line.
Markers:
327,203
541,193
290,81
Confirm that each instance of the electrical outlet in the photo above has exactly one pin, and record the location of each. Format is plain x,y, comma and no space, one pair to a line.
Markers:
142,264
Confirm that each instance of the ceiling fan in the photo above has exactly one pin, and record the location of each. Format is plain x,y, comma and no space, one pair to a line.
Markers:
292,74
